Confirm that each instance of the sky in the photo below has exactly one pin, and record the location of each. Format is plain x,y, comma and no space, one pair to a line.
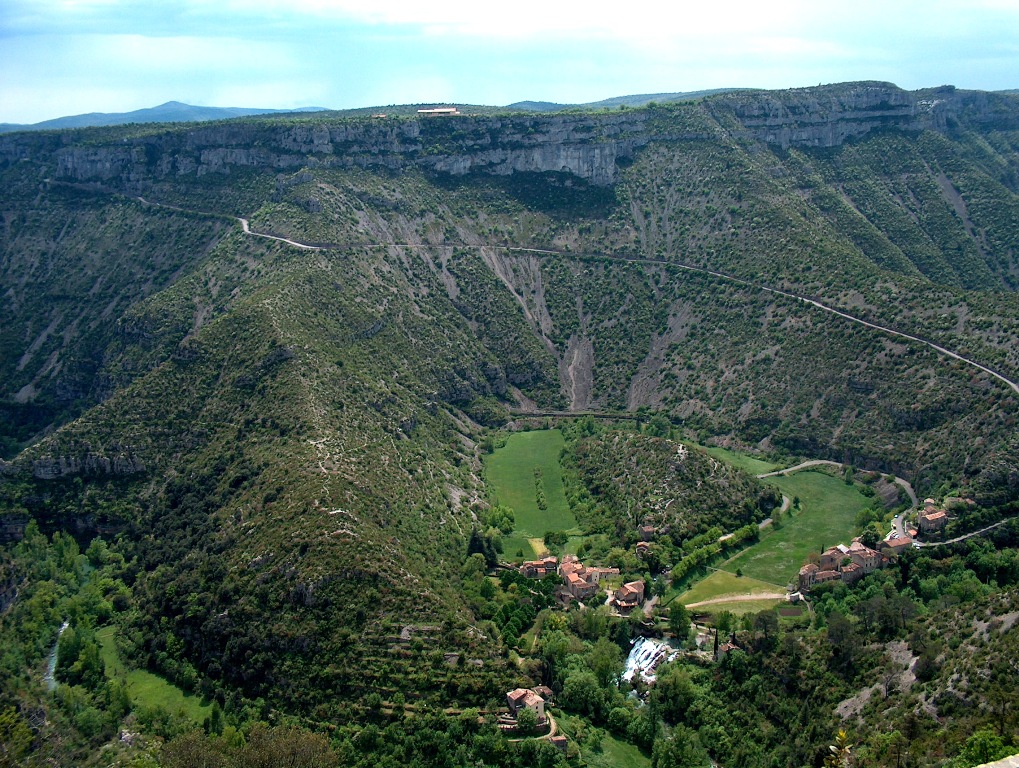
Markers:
67,57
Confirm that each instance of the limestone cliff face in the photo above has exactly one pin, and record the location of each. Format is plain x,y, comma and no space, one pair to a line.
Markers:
589,146
827,117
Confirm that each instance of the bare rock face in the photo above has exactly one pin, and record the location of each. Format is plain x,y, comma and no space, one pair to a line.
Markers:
828,117
584,145
589,146
55,467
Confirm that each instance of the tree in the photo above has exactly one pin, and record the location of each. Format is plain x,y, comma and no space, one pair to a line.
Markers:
871,536
644,727
673,693
527,721
283,747
15,738
479,543
619,720
193,750
839,752
659,426
679,620
681,749
582,694
846,644
984,746
606,660
766,622
553,647
725,621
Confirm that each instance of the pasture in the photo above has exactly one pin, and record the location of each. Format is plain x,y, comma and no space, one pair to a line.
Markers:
146,689
827,516
520,474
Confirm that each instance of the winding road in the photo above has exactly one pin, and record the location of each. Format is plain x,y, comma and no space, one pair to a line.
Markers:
247,230
970,535
904,484
638,260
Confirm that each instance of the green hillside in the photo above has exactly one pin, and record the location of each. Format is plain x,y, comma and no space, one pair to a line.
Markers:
282,445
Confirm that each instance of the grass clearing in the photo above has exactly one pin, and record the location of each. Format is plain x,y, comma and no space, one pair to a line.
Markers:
613,752
537,546
513,481
725,584
827,516
738,607
742,461
145,688
513,544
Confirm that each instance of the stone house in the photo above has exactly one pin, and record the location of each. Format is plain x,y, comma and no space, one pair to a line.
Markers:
629,596
832,558
842,563
581,581
894,547
868,559
812,574
932,521
522,698
538,569
580,587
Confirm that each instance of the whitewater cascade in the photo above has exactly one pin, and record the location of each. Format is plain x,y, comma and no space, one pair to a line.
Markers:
645,657
50,680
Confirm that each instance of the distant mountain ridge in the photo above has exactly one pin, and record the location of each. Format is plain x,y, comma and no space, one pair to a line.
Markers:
179,112
170,112
634,100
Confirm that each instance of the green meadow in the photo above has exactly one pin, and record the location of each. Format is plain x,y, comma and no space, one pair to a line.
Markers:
146,689
725,584
512,481
827,516
742,461
611,753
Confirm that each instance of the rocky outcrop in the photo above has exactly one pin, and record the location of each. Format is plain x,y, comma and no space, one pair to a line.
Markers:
586,146
55,467
830,115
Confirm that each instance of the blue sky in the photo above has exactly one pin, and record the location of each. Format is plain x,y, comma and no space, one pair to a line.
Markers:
62,57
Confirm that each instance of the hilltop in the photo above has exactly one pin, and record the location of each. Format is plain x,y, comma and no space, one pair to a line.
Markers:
170,112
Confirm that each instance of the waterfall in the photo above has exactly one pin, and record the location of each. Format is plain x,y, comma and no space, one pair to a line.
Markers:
645,657
50,680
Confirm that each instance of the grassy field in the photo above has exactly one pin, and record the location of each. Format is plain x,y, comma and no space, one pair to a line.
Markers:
725,584
145,688
511,545
614,753
510,472
738,607
740,460
827,517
